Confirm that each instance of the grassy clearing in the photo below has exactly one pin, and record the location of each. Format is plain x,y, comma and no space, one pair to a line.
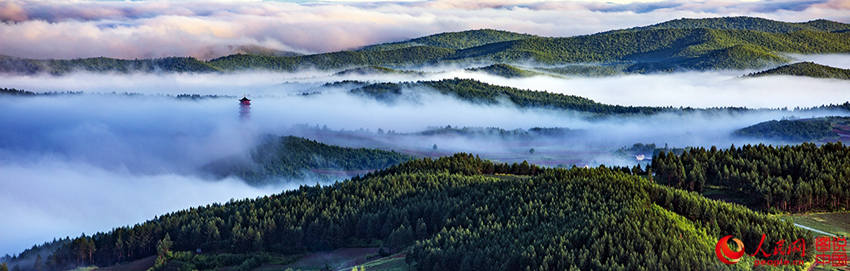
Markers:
837,223
391,263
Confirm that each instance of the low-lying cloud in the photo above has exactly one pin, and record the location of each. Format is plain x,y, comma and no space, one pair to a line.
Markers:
88,162
207,29
55,198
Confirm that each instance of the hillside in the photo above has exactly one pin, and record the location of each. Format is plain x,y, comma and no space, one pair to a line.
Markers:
292,157
665,49
482,93
453,40
503,217
797,178
104,64
800,130
750,23
689,44
808,69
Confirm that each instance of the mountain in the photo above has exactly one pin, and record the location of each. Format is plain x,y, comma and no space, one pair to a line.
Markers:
415,55
453,40
263,51
500,216
291,157
749,23
104,64
482,93
664,49
692,44
809,69
822,129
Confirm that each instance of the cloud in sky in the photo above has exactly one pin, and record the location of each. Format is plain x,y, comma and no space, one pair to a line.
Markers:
207,28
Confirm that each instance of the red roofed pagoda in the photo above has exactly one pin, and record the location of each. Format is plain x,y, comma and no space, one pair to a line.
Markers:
245,108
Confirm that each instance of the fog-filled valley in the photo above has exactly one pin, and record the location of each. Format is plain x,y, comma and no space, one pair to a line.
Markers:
165,136
92,144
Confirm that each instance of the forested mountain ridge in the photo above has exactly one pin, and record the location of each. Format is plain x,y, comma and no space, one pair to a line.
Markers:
453,40
482,93
824,129
809,69
478,92
504,217
748,23
690,44
664,49
290,157
105,64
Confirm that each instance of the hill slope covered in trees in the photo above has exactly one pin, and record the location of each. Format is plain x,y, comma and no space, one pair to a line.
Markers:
797,178
290,157
503,217
698,44
453,40
799,130
809,69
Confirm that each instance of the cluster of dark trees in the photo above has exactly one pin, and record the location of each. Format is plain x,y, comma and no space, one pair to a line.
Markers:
292,157
505,70
520,134
458,212
789,178
16,92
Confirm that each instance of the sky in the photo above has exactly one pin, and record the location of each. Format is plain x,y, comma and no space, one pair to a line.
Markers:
207,28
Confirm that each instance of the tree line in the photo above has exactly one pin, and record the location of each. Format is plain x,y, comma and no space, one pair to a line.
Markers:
796,178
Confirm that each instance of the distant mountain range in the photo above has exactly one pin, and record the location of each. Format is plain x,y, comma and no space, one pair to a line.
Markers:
684,44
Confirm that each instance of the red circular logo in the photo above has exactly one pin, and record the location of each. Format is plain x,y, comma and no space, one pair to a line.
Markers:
725,254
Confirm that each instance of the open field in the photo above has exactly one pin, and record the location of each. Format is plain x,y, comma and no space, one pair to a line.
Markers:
836,223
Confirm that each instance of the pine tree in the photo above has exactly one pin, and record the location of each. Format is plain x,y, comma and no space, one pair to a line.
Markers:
163,248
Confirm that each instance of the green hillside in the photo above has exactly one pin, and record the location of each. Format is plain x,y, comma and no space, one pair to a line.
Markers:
809,69
334,60
453,40
665,49
502,217
750,23
292,157
104,64
799,178
800,130
691,44
482,93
